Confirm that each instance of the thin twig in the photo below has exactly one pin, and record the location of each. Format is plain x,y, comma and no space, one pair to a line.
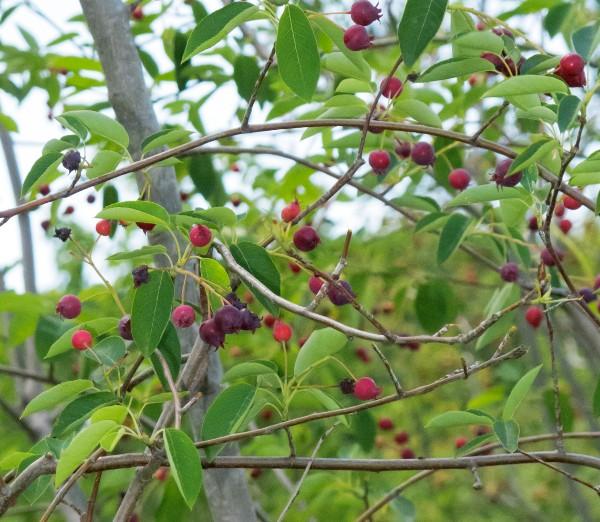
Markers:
389,369
89,513
172,387
256,88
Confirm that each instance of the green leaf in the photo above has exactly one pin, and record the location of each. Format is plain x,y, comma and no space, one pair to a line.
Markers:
526,84
507,432
567,111
455,67
76,412
596,401
418,111
215,217
256,260
518,393
364,429
339,63
214,272
145,251
40,167
417,202
249,369
108,351
531,154
96,327
539,63
104,161
451,419
452,236
138,211
217,25
538,113
474,43
170,348
56,395
321,344
14,459
100,125
420,22
245,73
80,448
227,414
435,305
116,413
326,400
297,54
485,193
151,311
352,86
586,39
186,467
163,138
474,443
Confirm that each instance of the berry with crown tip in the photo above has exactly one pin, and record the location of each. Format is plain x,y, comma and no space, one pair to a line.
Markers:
103,227
282,332
565,225
200,235
211,334
366,389
91,198
183,316
571,203
146,227
81,340
62,233
44,189
306,238
509,272
588,295
460,442
315,283
386,424
250,321
71,160
291,211
356,38
401,438
423,154
125,328
364,12
363,354
403,149
379,161
571,70
533,224
228,319
534,316
391,87
69,210
407,453
69,306
347,386
500,174
140,275
559,210
269,320
161,473
338,296
294,267
459,179
45,224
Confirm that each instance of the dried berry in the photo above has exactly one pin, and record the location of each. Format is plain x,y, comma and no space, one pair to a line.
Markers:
62,233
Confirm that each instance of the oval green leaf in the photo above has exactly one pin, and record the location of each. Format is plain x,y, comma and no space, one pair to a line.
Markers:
454,68
39,168
56,395
100,125
138,211
519,392
420,22
185,464
452,236
321,344
526,84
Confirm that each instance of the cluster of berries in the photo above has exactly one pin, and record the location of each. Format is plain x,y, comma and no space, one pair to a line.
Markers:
363,13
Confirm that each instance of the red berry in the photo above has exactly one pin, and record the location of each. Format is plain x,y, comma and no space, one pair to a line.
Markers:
269,321
306,238
291,211
255,473
565,225
364,12
184,196
597,282
44,189
81,340
45,224
403,149
459,179
295,267
379,161
200,235
460,442
161,473
315,283
266,414
137,13
69,306
183,316
103,227
500,174
571,64
391,87
386,424
509,272
356,38
534,316
146,227
571,203
363,354
401,438
548,259
423,154
533,224
559,210
365,389
211,334
282,332
407,453
69,210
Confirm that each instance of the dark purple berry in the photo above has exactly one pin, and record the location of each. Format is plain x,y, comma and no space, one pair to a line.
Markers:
91,198
46,224
250,321
500,177
509,272
306,239
403,149
71,160
228,319
338,296
233,300
423,154
347,386
211,333
62,233
69,306
140,275
364,12
125,328
588,295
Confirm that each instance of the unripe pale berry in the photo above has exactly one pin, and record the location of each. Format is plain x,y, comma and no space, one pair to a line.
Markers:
315,283
386,424
200,235
391,87
282,332
500,174
565,225
379,161
81,340
571,203
509,272
183,316
356,38
459,179
103,227
364,12
69,306
366,389
423,154
211,334
306,238
290,212
534,316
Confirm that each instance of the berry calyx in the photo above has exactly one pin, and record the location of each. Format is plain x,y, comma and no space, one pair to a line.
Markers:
71,160
379,161
146,227
386,424
571,203
391,87
228,319
366,389
306,238
103,227
364,12
200,235
183,316
315,283
423,154
509,272
282,332
211,334
565,225
401,438
291,211
81,340
69,306
459,179
62,233
125,328
356,38
534,316
339,296
500,174
460,442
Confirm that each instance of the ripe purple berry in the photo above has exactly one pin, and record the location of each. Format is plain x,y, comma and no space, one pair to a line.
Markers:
125,328
250,321
140,275
588,295
228,319
356,38
71,160
211,334
364,12
183,316
423,154
69,306
509,272
337,296
306,238
62,233
347,386
403,149
500,177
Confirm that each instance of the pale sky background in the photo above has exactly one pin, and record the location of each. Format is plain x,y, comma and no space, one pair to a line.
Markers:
35,129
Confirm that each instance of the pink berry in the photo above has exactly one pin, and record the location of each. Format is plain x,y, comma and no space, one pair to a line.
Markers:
459,179
391,87
407,453
460,442
366,389
565,225
534,316
315,283
69,306
423,154
571,203
291,211
379,161
364,12
81,340
306,238
200,235
282,332
386,424
356,38
103,227
183,316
